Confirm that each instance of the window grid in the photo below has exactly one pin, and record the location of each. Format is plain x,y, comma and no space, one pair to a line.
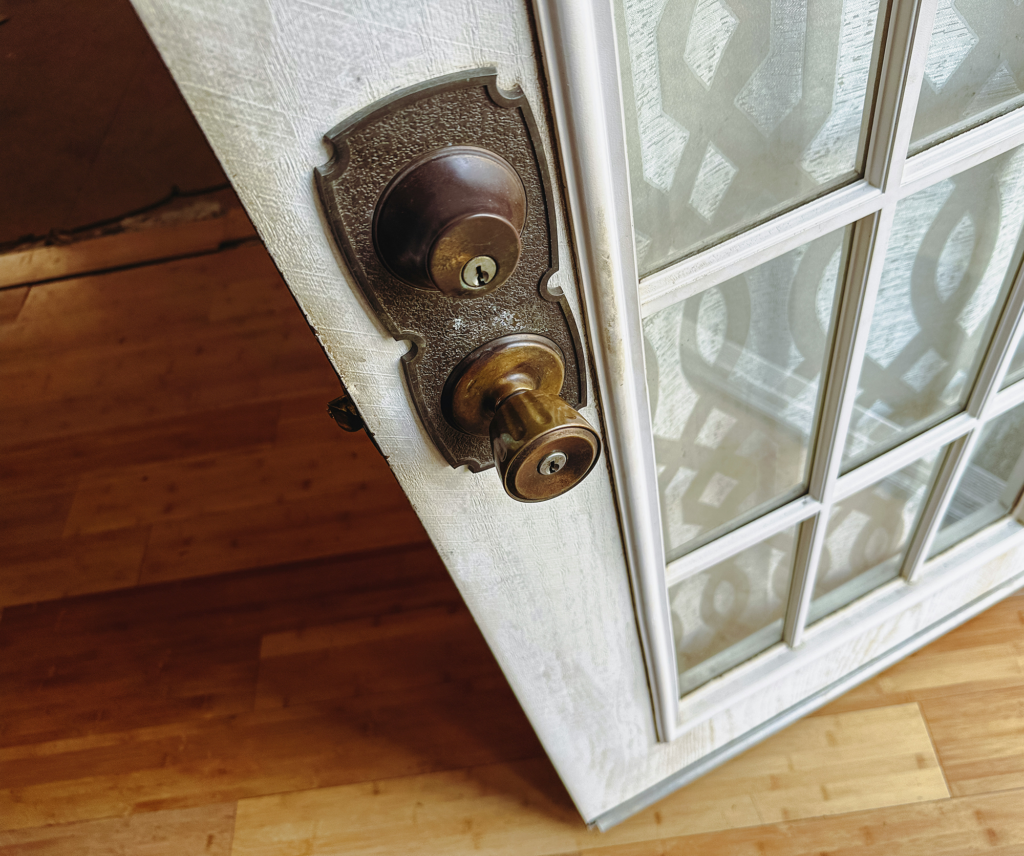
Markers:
869,205
577,41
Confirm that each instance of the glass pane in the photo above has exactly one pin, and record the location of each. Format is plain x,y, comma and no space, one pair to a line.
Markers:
950,259
867,536
974,69
732,611
991,483
734,375
1016,370
736,109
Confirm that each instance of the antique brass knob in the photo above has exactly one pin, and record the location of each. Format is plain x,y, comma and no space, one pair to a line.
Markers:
508,389
452,220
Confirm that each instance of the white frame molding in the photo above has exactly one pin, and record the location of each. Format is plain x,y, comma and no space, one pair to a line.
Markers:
580,53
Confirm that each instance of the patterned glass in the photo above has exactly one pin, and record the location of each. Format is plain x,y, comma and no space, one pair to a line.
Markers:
867,536
734,375
974,69
951,256
990,484
732,611
736,109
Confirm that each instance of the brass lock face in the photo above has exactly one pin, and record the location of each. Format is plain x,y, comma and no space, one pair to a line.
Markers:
441,203
508,390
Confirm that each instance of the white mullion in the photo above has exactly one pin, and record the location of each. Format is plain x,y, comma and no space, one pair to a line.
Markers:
1007,399
940,494
903,455
580,56
900,79
980,403
740,539
866,254
901,75
757,245
1000,352
963,151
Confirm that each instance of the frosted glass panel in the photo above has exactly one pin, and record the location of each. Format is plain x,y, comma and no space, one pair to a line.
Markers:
736,109
974,70
991,483
734,375
867,536
732,611
951,257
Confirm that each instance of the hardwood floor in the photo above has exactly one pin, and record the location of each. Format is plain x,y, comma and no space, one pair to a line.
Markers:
224,630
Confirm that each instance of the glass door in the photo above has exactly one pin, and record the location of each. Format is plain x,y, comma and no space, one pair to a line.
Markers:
825,206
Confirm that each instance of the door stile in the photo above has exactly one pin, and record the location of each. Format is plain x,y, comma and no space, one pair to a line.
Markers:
578,50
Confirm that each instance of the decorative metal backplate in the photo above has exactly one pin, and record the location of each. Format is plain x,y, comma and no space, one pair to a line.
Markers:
372,146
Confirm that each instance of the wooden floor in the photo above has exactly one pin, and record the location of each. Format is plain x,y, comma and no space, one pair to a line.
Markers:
224,630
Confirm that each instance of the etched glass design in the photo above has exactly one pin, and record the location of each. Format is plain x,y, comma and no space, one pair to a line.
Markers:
736,109
990,484
950,260
867,536
974,69
734,375
732,611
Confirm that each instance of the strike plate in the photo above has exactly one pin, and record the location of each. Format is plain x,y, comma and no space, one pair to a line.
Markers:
370,148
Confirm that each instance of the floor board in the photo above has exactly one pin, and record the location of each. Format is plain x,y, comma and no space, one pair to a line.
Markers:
224,631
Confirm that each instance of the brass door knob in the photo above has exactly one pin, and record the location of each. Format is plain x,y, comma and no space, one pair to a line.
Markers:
452,220
508,389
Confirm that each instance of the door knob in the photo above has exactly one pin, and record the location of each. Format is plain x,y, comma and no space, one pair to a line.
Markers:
508,390
452,220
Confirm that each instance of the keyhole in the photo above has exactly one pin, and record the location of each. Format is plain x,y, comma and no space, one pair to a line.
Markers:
479,272
552,463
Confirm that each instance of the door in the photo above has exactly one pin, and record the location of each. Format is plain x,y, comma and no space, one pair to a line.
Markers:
797,287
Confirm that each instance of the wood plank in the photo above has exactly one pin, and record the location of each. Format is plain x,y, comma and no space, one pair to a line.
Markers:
821,766
156,654
980,739
183,487
359,657
205,829
126,248
11,301
368,516
42,570
991,824
142,700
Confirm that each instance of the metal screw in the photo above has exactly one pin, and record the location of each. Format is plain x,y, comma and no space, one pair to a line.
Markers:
552,464
479,271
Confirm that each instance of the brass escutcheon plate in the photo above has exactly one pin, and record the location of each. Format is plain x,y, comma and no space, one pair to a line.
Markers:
374,146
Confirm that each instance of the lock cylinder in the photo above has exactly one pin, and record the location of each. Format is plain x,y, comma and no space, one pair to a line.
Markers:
452,220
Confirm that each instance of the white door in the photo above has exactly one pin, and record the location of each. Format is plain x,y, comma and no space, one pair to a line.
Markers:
790,233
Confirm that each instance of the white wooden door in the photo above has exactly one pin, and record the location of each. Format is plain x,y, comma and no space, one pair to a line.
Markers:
813,468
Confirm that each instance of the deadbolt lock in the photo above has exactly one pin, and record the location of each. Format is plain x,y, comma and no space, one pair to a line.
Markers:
452,220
